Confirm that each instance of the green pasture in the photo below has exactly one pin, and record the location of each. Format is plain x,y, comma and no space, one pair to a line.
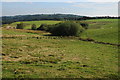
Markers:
105,30
61,57
37,23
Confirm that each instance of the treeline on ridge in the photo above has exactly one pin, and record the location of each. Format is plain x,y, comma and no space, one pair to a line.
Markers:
37,17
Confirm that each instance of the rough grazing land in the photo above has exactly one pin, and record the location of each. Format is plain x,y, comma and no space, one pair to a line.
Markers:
30,54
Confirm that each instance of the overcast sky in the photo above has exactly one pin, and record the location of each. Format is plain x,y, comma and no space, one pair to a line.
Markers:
79,7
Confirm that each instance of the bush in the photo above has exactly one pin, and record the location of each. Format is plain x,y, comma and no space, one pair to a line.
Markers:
42,27
68,28
84,25
20,26
33,27
50,27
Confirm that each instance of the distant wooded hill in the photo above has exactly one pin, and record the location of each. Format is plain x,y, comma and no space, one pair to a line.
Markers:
37,17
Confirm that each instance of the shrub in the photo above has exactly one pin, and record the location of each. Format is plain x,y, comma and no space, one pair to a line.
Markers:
20,26
68,28
33,27
42,27
84,25
50,27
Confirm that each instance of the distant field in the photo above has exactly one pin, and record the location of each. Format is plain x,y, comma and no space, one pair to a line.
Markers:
54,57
38,23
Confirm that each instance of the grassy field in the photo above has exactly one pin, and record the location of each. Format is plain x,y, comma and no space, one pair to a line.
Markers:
38,23
100,29
105,30
27,56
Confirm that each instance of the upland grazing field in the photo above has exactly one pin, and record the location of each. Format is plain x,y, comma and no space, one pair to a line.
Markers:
38,23
32,54
105,30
